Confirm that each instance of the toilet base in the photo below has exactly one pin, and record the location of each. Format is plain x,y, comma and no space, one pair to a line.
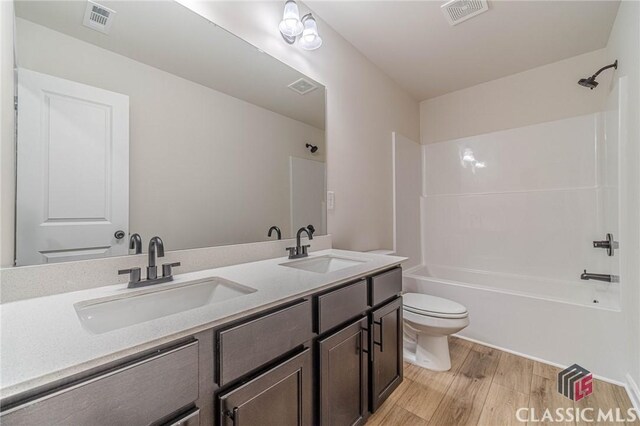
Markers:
431,352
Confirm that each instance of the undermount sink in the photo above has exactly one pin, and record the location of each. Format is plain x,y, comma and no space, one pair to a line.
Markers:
323,264
114,312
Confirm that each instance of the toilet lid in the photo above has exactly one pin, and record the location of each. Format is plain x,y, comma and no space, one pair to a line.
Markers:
432,305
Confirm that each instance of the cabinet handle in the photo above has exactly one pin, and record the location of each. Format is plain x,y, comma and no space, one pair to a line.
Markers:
360,347
367,343
379,323
233,415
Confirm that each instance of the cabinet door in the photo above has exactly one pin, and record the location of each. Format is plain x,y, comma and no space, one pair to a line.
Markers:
344,376
386,351
281,396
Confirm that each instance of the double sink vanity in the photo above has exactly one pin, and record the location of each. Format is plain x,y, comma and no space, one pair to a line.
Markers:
315,340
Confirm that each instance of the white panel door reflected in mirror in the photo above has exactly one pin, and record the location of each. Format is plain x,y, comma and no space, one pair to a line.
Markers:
72,171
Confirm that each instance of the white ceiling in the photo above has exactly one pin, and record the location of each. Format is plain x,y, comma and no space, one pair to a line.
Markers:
168,36
412,42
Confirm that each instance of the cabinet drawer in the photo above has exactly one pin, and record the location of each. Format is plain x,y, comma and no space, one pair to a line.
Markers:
247,346
138,393
385,286
339,306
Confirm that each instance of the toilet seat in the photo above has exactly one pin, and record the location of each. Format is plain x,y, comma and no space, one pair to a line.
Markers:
432,306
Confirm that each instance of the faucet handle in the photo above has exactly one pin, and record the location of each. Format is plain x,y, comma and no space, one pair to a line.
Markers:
292,251
166,268
134,274
303,249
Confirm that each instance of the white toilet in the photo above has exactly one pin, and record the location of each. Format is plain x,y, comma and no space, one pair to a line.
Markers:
428,321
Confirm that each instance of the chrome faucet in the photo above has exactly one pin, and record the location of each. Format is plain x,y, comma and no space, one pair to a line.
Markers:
135,243
311,229
156,247
299,250
277,230
154,244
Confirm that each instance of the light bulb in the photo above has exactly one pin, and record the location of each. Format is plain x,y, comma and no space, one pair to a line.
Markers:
310,39
290,26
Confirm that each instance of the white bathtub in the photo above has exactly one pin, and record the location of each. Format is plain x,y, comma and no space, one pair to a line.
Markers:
553,321
595,294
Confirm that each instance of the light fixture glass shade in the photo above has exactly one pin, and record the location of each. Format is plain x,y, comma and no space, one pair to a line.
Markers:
309,40
290,25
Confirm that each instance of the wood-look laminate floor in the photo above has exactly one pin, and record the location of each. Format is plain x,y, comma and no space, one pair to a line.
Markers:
485,386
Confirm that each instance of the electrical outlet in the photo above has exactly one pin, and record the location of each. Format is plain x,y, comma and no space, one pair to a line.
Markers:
331,200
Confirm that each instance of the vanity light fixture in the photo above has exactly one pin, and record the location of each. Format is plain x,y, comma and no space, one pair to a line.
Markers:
292,26
310,39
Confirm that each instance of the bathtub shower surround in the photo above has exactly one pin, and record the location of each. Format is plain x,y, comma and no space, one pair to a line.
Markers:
508,222
518,210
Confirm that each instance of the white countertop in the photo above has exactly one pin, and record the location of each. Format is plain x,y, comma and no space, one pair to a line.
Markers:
42,339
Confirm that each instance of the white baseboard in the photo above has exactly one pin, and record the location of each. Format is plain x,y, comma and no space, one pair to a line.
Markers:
634,392
544,361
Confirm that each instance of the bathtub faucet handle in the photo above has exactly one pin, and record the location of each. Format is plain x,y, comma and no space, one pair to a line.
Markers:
609,243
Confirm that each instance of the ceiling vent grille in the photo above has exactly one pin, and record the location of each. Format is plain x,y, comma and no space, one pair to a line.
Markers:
302,86
98,17
457,11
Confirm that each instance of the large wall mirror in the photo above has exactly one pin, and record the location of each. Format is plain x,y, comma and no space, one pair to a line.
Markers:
144,117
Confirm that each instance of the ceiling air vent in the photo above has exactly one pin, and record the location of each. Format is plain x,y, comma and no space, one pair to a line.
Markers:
457,11
98,17
302,86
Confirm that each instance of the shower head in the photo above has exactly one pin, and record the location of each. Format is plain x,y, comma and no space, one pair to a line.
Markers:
312,148
591,82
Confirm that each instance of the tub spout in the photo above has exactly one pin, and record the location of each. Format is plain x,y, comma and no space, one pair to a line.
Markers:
599,277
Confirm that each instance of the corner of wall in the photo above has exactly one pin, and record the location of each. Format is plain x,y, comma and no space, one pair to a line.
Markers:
534,96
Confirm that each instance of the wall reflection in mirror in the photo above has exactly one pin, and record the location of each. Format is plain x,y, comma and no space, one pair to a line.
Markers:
143,117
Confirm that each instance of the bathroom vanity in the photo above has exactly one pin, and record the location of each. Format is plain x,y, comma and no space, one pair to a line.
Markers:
326,351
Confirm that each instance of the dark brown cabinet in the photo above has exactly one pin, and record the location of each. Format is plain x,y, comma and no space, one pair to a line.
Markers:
386,351
343,376
280,396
